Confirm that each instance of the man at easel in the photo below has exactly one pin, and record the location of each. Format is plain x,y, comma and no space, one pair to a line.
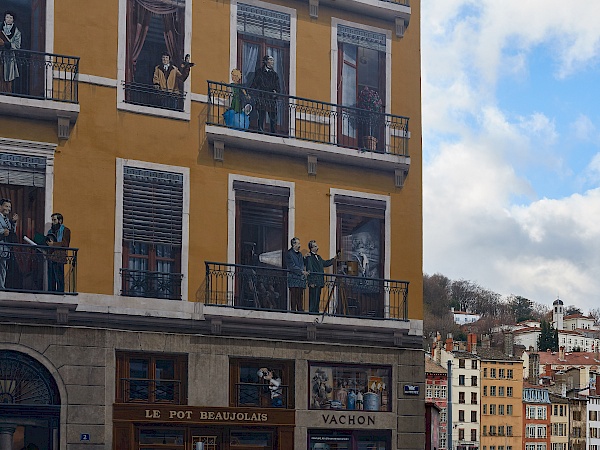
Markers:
315,265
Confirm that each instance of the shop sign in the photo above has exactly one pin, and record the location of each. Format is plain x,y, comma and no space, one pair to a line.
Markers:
218,416
347,419
411,389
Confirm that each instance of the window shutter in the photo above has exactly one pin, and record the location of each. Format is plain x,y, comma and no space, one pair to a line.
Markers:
366,206
22,170
263,193
152,206
263,22
361,38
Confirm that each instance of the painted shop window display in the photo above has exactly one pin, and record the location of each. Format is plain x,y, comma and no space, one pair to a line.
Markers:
156,438
357,388
349,440
261,383
156,66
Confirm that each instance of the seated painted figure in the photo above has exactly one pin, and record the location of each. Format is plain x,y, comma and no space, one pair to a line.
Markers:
238,114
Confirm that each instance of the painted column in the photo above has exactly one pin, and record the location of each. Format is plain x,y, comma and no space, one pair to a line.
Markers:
6,436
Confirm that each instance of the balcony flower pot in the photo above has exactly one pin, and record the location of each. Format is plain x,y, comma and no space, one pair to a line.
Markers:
370,143
371,105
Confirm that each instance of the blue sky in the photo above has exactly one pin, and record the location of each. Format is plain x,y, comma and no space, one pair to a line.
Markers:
511,146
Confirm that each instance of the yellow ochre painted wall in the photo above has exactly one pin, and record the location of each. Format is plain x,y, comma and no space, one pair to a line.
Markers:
85,164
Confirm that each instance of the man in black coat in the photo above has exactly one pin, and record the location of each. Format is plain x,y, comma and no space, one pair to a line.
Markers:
316,280
267,81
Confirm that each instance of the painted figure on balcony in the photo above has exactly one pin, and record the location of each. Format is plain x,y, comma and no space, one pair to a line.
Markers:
8,228
169,79
10,40
237,116
58,236
315,265
296,278
275,387
267,81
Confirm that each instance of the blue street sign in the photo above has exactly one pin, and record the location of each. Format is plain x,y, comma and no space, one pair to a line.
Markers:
85,437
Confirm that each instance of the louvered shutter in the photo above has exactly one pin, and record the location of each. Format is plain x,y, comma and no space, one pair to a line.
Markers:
152,206
361,38
262,22
22,170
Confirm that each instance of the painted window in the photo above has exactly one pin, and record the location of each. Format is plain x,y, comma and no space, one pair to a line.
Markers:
261,383
350,387
264,32
152,233
154,28
151,378
361,69
360,231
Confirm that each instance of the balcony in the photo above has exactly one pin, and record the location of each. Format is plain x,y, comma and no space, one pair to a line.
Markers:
261,288
145,283
135,390
330,132
258,395
46,88
39,269
148,95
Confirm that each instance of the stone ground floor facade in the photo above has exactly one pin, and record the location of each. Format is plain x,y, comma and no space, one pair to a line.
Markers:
140,390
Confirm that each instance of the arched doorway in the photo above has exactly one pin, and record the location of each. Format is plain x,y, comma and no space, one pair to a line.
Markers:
29,404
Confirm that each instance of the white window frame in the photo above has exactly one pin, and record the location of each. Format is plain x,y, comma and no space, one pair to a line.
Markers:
185,220
335,58
122,56
387,226
231,208
233,53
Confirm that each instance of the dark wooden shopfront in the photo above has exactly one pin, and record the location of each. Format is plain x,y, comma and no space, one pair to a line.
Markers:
175,427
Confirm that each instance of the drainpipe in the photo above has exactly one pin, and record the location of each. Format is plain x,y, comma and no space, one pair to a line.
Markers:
449,407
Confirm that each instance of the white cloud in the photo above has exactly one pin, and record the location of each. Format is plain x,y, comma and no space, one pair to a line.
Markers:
474,151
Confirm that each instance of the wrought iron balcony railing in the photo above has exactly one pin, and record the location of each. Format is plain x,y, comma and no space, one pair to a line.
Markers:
45,76
145,283
261,396
148,95
136,390
38,268
308,120
263,288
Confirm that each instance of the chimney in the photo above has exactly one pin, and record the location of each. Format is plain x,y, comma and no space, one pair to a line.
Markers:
561,353
472,343
534,368
449,343
561,382
509,343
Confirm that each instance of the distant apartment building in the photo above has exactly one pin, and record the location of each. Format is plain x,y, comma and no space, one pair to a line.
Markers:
436,392
464,317
593,422
501,404
536,412
464,385
559,423
577,422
